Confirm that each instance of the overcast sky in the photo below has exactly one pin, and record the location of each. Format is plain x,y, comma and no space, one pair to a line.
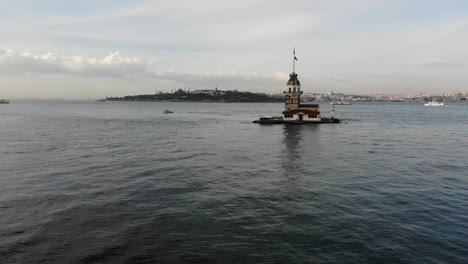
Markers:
92,48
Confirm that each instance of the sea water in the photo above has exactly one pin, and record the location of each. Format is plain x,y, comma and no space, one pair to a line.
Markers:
121,182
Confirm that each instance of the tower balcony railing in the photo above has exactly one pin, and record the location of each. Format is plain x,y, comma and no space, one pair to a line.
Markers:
299,92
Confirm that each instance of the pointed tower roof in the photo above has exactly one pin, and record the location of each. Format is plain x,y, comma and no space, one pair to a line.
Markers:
293,79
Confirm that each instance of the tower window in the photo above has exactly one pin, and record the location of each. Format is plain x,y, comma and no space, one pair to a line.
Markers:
294,89
289,89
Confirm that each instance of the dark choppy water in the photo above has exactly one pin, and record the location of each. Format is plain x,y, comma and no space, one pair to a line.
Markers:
123,183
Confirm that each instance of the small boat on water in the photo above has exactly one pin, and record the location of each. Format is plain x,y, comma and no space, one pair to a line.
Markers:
434,104
340,103
3,101
168,111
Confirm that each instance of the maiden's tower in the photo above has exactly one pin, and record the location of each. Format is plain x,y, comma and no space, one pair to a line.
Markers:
294,111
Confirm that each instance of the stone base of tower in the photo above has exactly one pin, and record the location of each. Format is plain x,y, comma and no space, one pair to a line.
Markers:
280,120
322,120
303,113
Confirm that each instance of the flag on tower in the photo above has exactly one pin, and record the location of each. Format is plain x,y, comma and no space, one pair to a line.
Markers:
295,58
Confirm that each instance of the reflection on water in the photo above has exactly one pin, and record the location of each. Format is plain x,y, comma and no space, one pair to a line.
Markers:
291,140
297,139
292,137
300,144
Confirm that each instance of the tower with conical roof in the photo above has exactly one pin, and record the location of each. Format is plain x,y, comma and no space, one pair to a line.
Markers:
293,92
293,88
295,111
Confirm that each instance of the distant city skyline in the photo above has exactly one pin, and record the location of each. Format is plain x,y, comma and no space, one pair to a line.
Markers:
92,48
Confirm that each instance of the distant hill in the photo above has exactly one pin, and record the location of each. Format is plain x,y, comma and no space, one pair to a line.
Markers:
202,96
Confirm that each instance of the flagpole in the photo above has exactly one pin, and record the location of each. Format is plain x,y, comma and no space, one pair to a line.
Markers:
294,59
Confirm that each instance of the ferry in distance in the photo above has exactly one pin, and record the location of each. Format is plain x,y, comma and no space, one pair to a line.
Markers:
3,101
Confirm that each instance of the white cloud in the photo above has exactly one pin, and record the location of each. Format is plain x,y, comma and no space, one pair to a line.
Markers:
224,24
281,76
231,74
113,65
116,66
444,65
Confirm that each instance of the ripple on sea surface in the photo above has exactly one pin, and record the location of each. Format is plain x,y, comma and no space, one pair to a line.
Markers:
123,183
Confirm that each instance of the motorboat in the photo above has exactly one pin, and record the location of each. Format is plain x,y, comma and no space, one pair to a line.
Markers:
168,111
434,104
